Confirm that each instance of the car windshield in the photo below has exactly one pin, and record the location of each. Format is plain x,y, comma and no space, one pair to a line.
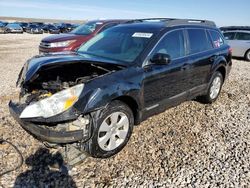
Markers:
23,24
85,29
51,27
33,26
16,26
117,44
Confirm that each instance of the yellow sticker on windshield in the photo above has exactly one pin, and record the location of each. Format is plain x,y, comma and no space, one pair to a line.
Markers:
143,35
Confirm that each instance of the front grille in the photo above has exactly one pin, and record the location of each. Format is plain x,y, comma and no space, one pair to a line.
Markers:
45,44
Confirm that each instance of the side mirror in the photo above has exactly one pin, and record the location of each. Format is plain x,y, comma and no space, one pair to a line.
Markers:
160,58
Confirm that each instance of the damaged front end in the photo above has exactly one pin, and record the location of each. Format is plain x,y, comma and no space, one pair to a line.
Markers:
48,97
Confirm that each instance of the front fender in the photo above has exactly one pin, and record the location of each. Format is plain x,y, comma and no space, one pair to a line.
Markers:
99,98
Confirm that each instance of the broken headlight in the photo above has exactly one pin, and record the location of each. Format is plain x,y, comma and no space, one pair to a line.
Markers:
54,104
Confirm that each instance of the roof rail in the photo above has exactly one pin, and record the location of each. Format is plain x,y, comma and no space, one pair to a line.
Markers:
149,20
176,22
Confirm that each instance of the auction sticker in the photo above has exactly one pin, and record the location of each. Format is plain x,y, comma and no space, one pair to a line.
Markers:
143,35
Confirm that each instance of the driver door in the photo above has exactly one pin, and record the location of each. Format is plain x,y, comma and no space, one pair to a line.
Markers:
166,84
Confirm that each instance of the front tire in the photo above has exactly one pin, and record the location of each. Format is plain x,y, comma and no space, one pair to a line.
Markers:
214,89
112,128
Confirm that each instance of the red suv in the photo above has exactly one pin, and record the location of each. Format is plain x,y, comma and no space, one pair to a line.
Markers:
73,40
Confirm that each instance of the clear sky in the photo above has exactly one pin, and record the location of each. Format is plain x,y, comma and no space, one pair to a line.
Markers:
223,12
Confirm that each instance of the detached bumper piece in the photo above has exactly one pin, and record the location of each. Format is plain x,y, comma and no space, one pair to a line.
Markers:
43,133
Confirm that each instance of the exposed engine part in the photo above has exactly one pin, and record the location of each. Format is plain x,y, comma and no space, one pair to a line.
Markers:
55,85
52,79
80,124
60,76
34,96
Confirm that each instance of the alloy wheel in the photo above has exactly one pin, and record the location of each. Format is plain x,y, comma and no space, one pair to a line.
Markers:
215,87
113,131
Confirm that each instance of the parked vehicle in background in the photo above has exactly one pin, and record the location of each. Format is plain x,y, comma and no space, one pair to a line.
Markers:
34,29
65,27
91,99
231,28
75,26
71,41
49,28
24,25
239,40
13,28
2,28
3,23
39,24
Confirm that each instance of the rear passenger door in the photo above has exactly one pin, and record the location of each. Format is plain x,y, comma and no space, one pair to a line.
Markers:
201,57
241,44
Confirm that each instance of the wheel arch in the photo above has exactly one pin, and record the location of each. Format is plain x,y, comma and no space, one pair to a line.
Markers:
246,52
219,65
222,70
132,104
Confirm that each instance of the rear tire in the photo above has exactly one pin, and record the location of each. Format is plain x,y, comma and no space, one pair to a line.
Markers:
247,55
112,128
214,89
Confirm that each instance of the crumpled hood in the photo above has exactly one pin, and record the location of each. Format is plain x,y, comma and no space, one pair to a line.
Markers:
34,64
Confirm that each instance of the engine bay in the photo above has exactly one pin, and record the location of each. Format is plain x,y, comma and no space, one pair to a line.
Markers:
54,78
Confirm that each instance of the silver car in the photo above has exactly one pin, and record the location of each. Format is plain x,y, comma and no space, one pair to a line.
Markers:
239,40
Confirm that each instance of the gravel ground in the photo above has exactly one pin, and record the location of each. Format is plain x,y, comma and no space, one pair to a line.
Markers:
191,145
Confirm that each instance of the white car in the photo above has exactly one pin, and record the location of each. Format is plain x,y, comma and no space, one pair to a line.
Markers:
239,40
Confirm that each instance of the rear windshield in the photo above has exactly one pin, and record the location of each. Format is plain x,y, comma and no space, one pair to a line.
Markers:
86,29
120,44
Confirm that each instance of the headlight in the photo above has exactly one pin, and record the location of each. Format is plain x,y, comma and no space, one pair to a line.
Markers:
61,44
54,104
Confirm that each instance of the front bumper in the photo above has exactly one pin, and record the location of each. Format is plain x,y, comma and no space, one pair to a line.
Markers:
45,134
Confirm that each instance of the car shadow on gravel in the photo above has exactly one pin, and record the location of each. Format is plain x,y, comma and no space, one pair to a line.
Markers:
47,170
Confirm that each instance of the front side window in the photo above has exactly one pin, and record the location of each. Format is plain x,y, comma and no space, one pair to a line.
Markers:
172,44
229,35
216,38
198,41
242,36
118,44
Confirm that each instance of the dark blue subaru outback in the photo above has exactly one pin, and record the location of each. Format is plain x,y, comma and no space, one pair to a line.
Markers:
92,98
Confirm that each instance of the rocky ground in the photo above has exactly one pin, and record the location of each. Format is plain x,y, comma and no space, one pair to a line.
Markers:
191,145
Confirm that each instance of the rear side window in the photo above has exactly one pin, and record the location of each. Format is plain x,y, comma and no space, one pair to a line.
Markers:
198,41
229,35
172,44
242,36
216,38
